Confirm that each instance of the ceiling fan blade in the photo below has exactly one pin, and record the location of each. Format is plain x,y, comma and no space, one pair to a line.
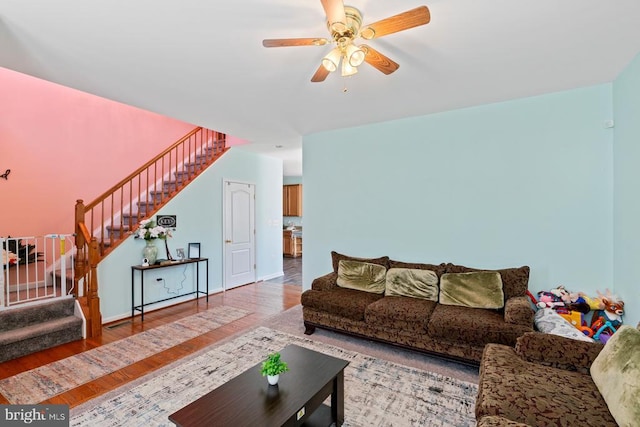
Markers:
294,42
378,60
334,9
320,75
402,21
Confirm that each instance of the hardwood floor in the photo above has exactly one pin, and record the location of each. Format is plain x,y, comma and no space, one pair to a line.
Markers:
262,299
292,272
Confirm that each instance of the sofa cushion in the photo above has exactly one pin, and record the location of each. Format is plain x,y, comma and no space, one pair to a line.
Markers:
412,282
538,395
401,313
616,372
363,276
439,269
337,257
518,310
476,326
480,289
515,281
348,303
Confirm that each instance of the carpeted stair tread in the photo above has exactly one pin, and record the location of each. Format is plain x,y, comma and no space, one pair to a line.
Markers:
39,329
40,342
31,328
20,317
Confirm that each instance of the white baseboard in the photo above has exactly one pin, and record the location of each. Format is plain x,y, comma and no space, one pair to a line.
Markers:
270,276
158,306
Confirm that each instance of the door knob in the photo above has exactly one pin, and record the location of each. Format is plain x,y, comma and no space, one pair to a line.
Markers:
227,241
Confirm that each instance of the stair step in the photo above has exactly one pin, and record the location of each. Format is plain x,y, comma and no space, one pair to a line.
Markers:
31,328
173,185
34,313
30,339
193,166
117,232
107,242
203,158
183,175
145,206
131,219
158,196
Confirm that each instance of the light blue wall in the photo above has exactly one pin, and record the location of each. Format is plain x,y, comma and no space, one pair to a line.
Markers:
291,180
626,102
199,217
526,182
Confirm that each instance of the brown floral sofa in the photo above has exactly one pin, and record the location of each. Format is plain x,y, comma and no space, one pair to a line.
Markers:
428,325
551,380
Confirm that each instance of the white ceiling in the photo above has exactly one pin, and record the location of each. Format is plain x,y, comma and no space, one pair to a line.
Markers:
203,61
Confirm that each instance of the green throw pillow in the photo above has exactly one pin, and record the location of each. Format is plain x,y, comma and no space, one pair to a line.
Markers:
363,276
480,289
616,372
412,282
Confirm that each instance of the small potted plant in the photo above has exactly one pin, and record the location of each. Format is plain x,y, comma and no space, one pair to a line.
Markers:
273,367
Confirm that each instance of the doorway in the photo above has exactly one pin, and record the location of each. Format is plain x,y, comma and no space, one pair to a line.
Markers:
239,234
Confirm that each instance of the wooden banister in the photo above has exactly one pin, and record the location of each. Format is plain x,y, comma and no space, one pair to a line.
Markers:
141,169
106,222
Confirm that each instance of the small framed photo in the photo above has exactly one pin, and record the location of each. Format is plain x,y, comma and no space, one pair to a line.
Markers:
194,250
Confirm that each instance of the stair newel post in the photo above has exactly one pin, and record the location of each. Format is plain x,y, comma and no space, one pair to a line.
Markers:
95,327
87,258
79,260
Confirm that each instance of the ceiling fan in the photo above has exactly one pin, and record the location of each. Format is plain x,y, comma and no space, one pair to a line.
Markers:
345,26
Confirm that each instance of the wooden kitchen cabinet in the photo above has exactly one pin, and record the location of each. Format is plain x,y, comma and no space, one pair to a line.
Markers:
291,244
292,200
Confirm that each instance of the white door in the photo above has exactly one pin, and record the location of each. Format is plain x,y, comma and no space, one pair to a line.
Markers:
239,234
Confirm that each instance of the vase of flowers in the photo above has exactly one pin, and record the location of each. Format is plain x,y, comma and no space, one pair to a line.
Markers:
150,231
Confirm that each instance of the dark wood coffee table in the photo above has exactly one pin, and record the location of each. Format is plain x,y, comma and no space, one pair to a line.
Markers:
297,400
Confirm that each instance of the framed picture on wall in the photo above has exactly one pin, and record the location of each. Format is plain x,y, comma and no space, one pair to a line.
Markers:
194,250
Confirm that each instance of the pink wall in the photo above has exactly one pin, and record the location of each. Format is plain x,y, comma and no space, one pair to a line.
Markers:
233,141
62,145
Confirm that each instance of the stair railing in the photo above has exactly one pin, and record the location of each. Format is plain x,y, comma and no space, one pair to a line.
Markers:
107,221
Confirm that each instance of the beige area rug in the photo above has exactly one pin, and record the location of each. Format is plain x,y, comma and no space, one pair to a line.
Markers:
378,392
291,322
42,383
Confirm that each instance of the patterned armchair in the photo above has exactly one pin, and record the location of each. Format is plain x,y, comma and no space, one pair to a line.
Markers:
551,380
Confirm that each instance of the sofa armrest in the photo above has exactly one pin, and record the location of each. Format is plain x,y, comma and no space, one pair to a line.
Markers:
558,351
325,283
518,310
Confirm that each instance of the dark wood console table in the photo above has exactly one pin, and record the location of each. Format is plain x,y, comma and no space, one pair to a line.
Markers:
143,269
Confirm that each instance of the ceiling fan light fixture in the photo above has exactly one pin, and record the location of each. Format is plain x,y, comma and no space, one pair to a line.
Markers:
338,27
348,69
332,60
345,27
355,55
367,33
